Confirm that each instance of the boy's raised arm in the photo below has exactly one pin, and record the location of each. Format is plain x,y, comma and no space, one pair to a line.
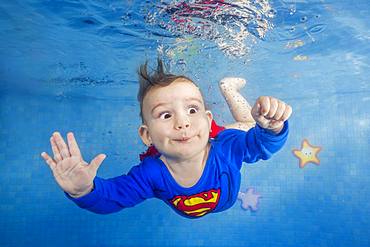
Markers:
74,175
267,137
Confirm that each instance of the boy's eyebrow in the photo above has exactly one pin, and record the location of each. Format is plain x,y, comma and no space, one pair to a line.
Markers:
187,99
157,105
194,99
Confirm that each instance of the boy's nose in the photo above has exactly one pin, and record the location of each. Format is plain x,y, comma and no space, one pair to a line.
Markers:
182,123
182,126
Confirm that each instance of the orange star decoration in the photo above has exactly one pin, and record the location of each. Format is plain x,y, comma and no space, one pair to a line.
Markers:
307,154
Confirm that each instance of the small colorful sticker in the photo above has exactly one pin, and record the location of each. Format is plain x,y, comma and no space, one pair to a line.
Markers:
250,199
300,58
294,44
307,154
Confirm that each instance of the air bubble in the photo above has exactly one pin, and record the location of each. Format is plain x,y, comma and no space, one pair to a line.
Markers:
304,19
272,12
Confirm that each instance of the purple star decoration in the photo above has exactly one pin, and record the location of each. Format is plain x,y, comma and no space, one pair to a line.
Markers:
249,199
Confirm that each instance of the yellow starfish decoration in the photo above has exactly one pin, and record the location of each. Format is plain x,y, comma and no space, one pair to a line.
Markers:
307,154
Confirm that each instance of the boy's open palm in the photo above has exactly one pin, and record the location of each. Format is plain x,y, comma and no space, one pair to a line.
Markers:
271,113
72,173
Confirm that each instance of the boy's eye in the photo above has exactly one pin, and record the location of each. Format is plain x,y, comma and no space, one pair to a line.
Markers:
192,110
165,115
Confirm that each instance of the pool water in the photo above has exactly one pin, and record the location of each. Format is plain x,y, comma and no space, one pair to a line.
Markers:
71,66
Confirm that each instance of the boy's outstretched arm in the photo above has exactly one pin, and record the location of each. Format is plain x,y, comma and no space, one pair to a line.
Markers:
78,179
74,175
238,105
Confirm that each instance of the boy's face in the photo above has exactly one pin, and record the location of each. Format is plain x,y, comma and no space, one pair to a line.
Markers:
175,120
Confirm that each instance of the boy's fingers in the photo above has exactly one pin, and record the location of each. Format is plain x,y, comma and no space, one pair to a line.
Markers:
269,111
57,156
273,107
280,110
96,162
48,160
258,116
62,146
263,122
287,113
255,110
264,105
73,146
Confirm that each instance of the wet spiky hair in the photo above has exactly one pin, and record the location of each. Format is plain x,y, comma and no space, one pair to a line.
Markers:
158,77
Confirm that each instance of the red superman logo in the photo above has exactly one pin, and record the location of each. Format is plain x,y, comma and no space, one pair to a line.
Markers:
197,205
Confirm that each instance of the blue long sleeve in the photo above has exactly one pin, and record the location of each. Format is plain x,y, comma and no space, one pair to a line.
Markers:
253,145
114,194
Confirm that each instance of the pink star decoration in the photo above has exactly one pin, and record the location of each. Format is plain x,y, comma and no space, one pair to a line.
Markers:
249,199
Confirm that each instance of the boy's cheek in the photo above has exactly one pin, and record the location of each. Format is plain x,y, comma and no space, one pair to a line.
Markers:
160,130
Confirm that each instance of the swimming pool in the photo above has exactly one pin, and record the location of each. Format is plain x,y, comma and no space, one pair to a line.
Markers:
71,66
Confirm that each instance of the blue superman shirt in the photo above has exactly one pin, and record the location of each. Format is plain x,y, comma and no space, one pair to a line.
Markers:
216,190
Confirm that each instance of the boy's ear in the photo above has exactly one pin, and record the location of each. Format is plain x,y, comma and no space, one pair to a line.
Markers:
210,118
144,135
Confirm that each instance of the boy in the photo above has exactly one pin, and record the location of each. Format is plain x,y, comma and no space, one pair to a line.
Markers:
191,173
